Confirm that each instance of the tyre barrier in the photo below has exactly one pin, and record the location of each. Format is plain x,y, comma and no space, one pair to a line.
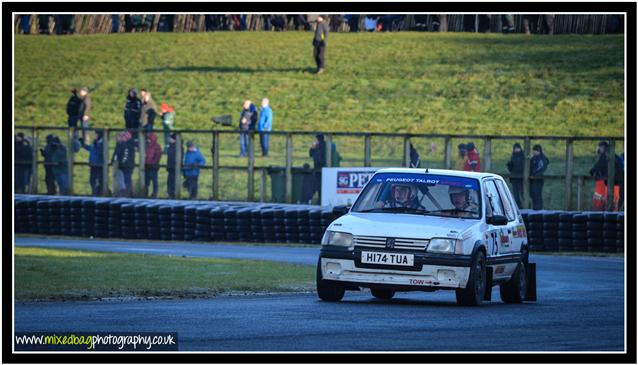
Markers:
269,223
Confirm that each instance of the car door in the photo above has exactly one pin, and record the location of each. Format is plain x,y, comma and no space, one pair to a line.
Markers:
498,236
515,229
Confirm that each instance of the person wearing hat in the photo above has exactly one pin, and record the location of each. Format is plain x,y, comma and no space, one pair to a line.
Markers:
132,111
168,122
515,166
318,154
473,161
247,121
464,207
537,167
600,173
171,164
23,163
402,195
47,152
124,156
59,167
149,111
319,43
72,110
193,160
84,111
96,161
460,161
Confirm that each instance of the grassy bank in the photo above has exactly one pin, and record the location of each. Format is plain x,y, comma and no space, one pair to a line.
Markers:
569,85
53,274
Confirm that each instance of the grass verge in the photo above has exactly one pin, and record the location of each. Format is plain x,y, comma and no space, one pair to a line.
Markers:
54,274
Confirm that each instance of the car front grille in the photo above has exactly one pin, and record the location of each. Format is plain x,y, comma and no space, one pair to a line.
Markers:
415,244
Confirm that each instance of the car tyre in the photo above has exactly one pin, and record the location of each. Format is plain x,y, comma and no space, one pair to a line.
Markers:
380,293
326,290
513,291
474,291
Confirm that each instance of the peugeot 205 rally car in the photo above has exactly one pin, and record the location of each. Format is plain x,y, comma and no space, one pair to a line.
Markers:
424,230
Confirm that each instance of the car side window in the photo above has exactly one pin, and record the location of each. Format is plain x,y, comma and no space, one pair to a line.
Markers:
493,199
505,198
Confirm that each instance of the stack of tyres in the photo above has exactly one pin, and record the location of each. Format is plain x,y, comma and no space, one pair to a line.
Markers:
42,216
290,223
101,226
127,220
75,217
88,217
315,226
217,224
256,226
230,224
579,232
202,223
65,217
279,216
610,232
165,222
565,229
115,218
303,224
20,214
620,232
141,228
55,208
190,222
153,221
244,223
595,221
550,230
268,224
177,223
535,231
327,216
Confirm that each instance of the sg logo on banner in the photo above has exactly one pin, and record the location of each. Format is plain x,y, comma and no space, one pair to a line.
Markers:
351,182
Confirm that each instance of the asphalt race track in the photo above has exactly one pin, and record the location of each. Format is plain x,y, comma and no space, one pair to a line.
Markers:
580,308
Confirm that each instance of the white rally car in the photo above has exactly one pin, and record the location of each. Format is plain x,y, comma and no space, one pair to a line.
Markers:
420,229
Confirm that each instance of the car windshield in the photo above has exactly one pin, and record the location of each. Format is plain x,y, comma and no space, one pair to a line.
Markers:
425,194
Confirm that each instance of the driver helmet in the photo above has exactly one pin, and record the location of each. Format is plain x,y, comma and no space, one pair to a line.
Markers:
409,187
454,190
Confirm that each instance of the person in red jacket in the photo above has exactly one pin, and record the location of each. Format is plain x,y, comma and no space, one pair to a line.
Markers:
153,155
473,162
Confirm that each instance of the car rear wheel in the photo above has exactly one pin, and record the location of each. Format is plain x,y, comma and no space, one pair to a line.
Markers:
381,293
326,290
513,291
474,291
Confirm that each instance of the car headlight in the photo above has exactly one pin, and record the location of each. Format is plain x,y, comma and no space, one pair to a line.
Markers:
333,238
442,245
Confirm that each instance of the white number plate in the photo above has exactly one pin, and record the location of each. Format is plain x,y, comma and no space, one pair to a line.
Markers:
385,258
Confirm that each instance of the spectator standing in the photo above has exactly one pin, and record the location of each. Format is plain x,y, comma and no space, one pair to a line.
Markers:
23,161
115,23
530,22
171,164
149,111
353,22
152,160
132,112
515,166
193,160
247,121
59,166
43,22
96,161
370,23
538,165
473,162
264,125
460,162
124,155
168,122
47,153
73,111
600,174
319,43
26,23
318,154
84,111
415,160
508,23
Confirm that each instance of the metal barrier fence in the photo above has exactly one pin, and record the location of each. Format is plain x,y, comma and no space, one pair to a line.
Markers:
388,149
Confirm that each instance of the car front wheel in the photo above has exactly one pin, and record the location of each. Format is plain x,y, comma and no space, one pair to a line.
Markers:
474,291
326,290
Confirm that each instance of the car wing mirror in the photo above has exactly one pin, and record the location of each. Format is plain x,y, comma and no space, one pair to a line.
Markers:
496,220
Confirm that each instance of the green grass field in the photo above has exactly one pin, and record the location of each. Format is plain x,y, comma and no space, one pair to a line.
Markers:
53,274
457,83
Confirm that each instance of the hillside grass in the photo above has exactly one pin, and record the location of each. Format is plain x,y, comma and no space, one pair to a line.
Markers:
457,83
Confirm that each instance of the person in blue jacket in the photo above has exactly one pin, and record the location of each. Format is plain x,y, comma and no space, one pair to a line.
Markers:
96,160
193,160
264,125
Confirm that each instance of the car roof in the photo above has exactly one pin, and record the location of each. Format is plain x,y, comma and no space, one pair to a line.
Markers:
468,174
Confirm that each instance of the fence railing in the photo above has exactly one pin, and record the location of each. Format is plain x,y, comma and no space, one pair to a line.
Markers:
366,142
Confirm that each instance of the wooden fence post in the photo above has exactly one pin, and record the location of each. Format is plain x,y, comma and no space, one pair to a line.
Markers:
569,172
33,188
105,162
251,167
526,173
367,151
611,174
406,151
328,139
579,193
288,168
70,156
262,192
487,154
215,181
447,159
178,164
